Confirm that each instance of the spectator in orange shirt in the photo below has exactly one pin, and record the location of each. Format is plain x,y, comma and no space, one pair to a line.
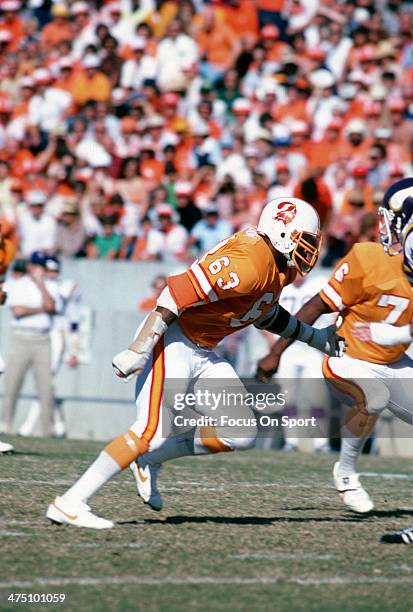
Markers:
325,152
12,23
66,75
274,48
361,185
158,285
218,46
91,83
241,16
152,169
58,29
26,92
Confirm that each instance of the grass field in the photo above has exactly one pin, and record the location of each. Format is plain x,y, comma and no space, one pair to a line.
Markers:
249,531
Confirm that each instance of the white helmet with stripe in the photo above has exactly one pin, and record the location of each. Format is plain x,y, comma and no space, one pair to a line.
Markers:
293,226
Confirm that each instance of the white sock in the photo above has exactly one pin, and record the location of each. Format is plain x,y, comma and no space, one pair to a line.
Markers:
350,450
102,469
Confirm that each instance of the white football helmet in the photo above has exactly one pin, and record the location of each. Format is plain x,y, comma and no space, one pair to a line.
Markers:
293,226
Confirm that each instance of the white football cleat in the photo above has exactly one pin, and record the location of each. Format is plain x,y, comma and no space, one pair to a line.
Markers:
145,476
5,448
78,514
351,492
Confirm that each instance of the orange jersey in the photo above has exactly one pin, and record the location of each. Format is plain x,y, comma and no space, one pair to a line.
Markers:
7,251
234,284
369,286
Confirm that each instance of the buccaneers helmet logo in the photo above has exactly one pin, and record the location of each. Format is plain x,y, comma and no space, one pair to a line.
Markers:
286,212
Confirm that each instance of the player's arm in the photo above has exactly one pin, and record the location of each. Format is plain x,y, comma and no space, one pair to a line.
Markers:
299,327
131,361
384,334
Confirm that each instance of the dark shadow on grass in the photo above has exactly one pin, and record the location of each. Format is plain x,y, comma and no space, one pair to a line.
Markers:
240,520
23,453
397,513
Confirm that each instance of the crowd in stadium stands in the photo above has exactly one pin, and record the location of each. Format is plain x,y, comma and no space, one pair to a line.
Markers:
150,129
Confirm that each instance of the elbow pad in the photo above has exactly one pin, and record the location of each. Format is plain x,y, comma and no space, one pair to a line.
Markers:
390,335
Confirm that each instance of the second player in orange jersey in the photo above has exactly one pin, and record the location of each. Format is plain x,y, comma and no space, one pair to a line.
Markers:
367,286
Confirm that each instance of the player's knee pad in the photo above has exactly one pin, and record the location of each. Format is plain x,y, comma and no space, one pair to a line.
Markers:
244,440
377,396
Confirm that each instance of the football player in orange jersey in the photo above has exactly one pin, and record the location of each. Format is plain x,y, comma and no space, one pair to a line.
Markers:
366,285
235,284
6,256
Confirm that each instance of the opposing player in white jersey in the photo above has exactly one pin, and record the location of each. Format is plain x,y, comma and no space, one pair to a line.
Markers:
64,340
235,284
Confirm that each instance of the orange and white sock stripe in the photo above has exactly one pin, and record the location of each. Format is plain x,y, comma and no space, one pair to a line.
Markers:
359,422
210,441
126,448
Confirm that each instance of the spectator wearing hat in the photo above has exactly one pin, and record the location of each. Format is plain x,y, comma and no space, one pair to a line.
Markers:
64,340
284,183
322,101
26,90
37,229
359,174
49,105
209,230
175,50
70,234
356,143
33,300
233,163
167,240
189,213
90,83
274,47
140,67
218,45
205,150
12,23
58,29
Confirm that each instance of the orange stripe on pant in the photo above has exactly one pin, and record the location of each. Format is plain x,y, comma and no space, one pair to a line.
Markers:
128,446
359,422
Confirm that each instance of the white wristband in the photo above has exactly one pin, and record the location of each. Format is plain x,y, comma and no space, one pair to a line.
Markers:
389,335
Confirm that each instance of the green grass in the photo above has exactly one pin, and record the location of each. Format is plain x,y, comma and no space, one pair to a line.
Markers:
248,531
